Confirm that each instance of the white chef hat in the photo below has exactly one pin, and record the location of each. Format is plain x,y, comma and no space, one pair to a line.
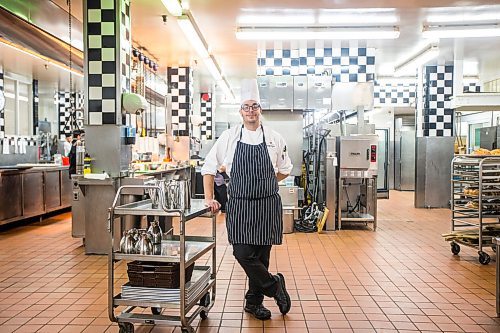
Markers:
249,91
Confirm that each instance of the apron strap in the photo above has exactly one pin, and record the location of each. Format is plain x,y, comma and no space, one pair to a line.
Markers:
263,135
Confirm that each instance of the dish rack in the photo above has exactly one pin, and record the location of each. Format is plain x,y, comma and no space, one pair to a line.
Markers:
475,203
191,298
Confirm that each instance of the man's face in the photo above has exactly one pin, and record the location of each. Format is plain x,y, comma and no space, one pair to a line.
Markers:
69,139
250,111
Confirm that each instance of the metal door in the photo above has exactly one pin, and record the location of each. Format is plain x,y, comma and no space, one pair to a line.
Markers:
300,92
263,83
383,162
281,92
407,161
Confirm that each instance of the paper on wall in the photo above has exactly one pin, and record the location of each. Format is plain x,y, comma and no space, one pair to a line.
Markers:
16,146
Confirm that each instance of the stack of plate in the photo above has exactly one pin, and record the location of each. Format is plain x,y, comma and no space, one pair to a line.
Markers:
199,280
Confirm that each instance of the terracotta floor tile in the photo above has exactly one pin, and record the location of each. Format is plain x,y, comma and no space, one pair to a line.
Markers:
373,291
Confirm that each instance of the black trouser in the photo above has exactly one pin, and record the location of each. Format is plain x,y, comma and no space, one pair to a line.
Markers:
255,261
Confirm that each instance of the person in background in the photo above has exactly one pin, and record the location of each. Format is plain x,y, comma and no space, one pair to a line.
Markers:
67,144
256,159
220,190
77,135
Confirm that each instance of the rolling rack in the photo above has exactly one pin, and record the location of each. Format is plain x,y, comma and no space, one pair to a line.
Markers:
475,201
193,298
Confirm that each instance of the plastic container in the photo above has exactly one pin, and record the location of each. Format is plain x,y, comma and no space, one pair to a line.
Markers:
156,274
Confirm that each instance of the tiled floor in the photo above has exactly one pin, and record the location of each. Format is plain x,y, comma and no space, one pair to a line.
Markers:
402,277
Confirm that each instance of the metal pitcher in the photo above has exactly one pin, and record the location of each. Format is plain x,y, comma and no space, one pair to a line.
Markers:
184,194
156,232
127,243
144,245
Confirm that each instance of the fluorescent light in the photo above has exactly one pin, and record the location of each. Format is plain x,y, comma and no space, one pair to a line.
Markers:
420,58
461,31
39,56
193,36
174,7
316,33
359,16
212,68
276,19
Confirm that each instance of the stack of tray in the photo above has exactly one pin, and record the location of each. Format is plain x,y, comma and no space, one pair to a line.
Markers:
199,280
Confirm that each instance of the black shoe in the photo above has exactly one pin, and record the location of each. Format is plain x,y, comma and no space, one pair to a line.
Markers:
282,298
258,311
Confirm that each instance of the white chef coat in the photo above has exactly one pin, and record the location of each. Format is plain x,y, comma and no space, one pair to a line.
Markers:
67,147
222,153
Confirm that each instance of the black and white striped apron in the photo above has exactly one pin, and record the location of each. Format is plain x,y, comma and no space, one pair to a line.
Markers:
254,209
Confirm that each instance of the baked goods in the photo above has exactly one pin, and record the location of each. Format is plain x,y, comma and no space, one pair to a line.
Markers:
481,151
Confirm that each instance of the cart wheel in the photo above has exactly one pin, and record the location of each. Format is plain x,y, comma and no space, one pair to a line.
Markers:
156,311
484,258
126,327
455,248
186,330
203,315
205,300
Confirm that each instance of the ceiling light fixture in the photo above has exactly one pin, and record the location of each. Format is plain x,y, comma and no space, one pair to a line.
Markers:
195,37
36,55
420,58
316,33
174,7
359,16
461,31
276,19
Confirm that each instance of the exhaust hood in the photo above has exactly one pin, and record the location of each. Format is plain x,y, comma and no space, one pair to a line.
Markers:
476,102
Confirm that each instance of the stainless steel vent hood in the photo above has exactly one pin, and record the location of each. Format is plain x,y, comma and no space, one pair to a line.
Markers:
476,102
19,31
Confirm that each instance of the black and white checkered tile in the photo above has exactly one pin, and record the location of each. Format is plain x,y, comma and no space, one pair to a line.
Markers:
2,116
66,104
35,105
346,64
179,84
125,45
101,57
15,140
206,114
438,88
394,93
471,86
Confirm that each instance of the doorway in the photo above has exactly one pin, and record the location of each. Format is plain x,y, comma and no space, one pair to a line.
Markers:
404,153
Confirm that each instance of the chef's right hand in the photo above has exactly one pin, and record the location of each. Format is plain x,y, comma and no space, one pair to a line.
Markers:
213,204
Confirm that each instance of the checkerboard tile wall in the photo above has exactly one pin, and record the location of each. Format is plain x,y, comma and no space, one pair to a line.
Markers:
206,114
2,117
394,93
65,107
106,80
438,88
35,105
346,64
179,86
471,85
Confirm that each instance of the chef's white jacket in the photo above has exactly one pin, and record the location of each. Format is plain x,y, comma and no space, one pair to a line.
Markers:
222,153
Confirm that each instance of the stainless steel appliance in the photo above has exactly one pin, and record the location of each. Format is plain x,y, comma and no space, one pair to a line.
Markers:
319,92
331,165
263,83
488,137
300,92
281,92
289,195
357,189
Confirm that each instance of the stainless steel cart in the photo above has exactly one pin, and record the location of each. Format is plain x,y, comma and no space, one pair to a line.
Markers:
475,200
199,301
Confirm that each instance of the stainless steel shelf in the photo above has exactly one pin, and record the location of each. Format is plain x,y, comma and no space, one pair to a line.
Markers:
144,207
357,217
191,256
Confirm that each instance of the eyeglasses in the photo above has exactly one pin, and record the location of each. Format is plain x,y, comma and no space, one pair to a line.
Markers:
253,107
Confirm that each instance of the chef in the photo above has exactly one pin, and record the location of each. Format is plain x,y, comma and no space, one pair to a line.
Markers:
256,159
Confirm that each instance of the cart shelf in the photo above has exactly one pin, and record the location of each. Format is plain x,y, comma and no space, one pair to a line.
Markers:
145,207
198,249
190,297
479,173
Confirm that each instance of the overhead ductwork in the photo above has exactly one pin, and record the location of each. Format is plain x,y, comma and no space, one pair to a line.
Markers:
23,33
